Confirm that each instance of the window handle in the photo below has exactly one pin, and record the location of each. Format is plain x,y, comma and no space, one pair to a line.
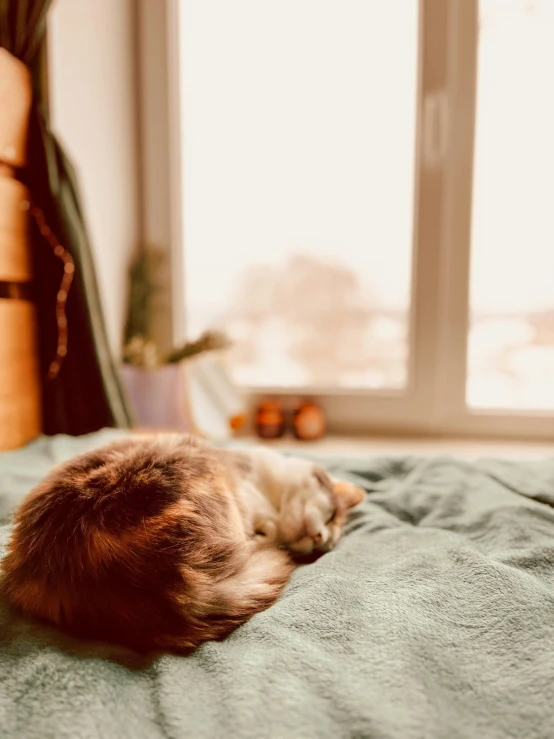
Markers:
435,128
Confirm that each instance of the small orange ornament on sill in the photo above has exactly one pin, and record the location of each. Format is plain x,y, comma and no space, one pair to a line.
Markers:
270,420
237,422
309,422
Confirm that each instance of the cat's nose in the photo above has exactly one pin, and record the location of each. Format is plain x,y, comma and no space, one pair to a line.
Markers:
319,538
314,529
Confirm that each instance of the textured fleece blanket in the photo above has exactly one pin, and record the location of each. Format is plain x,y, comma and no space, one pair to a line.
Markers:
434,617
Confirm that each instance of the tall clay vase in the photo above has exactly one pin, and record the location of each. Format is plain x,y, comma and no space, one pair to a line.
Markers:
20,409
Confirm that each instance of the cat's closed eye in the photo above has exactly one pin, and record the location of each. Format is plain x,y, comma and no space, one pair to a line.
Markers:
331,516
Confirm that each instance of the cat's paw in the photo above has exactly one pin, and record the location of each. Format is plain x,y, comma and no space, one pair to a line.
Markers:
266,530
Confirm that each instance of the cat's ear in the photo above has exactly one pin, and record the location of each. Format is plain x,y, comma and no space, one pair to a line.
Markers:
349,494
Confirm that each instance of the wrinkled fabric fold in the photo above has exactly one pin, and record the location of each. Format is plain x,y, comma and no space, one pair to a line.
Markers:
433,618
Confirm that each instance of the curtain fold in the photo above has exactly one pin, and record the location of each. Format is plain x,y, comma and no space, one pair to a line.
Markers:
87,394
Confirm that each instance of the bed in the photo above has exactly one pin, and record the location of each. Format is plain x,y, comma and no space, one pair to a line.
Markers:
434,617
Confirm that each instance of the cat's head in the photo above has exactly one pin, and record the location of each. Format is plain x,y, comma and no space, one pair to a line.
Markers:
317,523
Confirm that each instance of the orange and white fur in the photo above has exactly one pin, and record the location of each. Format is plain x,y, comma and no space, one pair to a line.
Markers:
294,503
163,542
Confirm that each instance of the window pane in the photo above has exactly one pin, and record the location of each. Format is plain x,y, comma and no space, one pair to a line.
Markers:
511,342
298,161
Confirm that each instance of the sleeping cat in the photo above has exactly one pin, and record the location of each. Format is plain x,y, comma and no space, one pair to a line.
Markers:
165,541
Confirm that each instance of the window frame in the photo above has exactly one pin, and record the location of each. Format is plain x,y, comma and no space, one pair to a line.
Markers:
433,401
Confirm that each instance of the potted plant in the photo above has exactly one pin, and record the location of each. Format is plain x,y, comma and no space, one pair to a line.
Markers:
155,381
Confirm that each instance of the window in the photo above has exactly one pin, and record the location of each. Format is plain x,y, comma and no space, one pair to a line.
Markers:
365,198
511,342
298,162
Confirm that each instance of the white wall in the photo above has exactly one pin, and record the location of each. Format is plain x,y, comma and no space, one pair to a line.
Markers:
93,95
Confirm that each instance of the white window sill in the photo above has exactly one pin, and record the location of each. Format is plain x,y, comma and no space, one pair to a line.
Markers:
368,446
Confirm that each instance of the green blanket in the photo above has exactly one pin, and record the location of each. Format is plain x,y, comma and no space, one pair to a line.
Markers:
434,617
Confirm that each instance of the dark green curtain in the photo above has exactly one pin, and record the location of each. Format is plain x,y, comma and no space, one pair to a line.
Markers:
87,394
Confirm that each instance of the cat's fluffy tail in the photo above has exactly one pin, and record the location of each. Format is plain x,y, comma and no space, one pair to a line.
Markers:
258,583
230,602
